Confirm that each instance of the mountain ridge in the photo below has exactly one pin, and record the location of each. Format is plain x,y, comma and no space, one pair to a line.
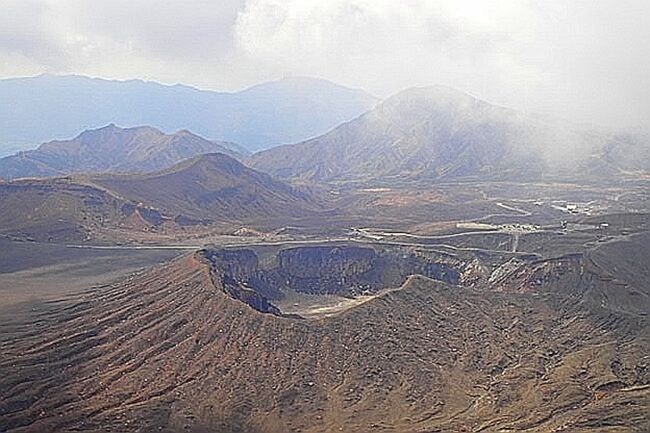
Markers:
209,186
258,117
111,149
437,133
207,193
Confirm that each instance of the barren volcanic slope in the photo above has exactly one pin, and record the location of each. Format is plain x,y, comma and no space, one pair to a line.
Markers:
174,349
212,186
439,133
111,149
56,209
201,192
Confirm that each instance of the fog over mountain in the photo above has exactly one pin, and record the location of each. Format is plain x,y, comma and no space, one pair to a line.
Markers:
439,133
581,60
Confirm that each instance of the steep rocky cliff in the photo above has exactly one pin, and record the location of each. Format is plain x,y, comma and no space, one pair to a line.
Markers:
168,351
323,270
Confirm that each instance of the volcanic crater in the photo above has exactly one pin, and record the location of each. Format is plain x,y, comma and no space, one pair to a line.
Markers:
309,281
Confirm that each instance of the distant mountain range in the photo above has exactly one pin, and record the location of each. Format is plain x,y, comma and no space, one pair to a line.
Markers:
46,107
427,134
438,133
112,149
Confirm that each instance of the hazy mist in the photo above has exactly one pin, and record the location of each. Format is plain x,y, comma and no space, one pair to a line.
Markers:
581,60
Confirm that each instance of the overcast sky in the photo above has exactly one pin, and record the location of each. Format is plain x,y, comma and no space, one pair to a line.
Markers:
585,60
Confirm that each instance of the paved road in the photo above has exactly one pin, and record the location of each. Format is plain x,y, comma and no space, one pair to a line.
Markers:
296,242
135,247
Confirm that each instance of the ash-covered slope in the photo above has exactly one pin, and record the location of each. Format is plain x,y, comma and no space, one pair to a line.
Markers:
111,149
170,350
440,133
212,187
56,209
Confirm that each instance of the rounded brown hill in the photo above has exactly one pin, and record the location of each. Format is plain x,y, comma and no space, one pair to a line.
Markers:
209,191
211,186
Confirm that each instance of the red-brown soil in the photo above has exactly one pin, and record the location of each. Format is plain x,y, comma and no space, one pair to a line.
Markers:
168,350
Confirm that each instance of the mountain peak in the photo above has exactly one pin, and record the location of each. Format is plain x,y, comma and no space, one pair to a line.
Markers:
304,86
434,90
435,95
138,149
111,129
435,133
269,114
211,185
209,163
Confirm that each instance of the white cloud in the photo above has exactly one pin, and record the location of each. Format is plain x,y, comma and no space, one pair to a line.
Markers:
579,59
570,58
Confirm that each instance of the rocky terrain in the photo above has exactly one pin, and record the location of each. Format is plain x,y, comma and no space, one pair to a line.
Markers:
35,275
344,270
171,349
